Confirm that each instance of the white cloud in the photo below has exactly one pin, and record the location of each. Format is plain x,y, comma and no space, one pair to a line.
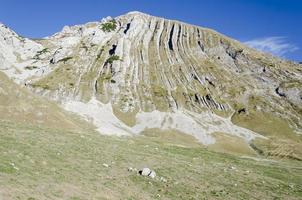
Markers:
278,46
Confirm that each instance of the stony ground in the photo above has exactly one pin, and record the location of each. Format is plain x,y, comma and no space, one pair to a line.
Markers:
41,163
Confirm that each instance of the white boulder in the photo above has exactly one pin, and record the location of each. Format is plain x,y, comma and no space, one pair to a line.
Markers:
147,172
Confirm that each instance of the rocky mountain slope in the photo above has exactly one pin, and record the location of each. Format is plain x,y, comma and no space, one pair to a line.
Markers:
137,73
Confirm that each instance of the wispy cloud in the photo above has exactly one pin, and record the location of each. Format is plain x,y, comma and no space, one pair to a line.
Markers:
278,46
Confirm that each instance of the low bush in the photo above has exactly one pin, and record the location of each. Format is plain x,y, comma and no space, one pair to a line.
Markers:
109,26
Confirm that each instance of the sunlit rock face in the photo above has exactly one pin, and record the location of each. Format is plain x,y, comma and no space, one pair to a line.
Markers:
137,72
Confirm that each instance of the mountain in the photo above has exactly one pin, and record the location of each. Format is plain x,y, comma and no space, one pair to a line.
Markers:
213,118
137,73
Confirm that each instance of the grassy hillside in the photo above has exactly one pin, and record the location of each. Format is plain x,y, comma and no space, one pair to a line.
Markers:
41,163
18,104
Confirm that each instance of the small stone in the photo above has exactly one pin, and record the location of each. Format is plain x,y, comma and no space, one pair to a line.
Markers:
162,179
246,172
105,165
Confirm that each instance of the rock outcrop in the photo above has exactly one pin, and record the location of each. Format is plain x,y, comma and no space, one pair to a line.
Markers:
137,72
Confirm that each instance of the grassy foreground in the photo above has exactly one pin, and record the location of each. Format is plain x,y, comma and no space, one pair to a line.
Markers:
39,163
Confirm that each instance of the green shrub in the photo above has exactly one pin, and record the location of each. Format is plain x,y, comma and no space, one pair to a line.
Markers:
113,58
39,53
109,26
42,51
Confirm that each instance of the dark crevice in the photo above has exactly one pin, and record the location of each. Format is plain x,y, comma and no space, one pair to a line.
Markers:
141,53
210,82
201,46
208,97
242,110
281,94
112,50
171,38
52,61
195,77
127,28
155,31
196,99
96,86
210,101
198,33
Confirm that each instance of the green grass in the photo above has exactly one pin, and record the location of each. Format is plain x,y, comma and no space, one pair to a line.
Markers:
40,163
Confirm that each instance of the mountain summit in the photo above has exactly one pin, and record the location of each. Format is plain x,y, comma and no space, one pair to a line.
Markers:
135,73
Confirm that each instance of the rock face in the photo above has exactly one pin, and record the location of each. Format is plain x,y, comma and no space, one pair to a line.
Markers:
138,72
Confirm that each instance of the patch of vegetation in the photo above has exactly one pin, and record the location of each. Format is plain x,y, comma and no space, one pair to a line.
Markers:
30,67
159,91
106,77
113,58
21,38
39,53
84,46
100,53
71,166
64,60
45,50
43,86
109,26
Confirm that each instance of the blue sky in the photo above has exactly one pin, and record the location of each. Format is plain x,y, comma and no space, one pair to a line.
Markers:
269,25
